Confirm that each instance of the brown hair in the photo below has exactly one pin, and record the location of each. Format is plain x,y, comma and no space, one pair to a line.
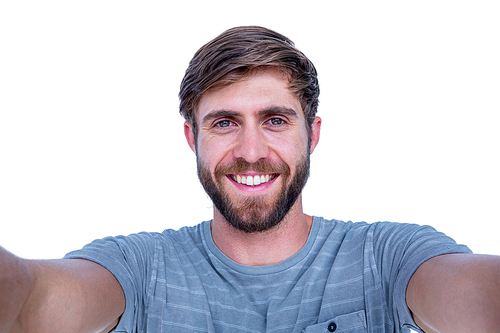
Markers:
237,52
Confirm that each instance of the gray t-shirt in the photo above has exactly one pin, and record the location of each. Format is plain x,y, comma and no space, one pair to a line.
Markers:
348,277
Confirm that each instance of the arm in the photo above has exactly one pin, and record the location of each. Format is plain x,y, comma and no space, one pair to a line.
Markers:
57,296
14,288
456,293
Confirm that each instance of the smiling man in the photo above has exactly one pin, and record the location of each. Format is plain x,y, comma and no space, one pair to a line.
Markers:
253,151
250,98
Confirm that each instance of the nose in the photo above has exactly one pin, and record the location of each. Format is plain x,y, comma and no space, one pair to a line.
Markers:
251,146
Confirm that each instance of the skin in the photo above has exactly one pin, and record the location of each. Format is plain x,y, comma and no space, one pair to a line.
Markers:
449,293
457,293
256,118
57,296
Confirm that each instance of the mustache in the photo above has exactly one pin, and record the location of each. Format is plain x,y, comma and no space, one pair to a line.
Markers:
261,166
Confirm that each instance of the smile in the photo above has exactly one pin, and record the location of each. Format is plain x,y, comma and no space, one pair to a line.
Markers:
253,180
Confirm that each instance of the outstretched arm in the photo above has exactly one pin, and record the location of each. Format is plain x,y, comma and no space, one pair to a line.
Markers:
57,296
456,293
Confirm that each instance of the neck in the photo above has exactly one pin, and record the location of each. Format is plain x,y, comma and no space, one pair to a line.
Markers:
263,248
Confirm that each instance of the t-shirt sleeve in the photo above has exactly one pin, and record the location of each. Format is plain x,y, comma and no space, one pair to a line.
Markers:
129,260
399,249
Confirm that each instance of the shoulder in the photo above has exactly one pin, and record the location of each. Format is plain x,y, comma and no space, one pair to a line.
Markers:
380,231
387,237
349,229
193,233
139,249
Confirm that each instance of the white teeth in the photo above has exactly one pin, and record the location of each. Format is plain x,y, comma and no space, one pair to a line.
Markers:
252,180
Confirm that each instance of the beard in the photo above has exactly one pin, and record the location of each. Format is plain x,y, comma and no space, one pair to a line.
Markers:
259,213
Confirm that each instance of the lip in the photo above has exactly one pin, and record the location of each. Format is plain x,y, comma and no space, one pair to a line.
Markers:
252,189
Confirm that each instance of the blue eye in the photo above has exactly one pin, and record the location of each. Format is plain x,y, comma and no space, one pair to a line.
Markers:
224,123
276,121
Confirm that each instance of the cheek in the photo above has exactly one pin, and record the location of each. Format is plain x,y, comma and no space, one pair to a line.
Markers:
212,152
291,153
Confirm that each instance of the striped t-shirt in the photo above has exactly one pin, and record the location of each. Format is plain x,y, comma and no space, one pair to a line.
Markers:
348,277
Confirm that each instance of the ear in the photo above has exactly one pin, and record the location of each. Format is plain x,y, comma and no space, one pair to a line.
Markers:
188,133
316,129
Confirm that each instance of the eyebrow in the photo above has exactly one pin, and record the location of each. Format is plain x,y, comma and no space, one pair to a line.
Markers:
219,114
278,110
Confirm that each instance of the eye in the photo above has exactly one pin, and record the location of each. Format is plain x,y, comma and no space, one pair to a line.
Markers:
276,121
223,123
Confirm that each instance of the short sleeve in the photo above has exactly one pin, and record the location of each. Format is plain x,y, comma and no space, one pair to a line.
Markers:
129,259
399,249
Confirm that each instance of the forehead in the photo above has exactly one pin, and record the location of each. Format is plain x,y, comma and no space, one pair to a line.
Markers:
262,89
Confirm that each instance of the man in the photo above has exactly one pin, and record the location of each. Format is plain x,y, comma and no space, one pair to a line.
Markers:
260,265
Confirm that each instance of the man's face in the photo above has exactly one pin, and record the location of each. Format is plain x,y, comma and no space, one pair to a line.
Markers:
252,149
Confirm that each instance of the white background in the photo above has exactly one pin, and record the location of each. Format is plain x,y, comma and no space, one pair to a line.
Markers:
91,141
